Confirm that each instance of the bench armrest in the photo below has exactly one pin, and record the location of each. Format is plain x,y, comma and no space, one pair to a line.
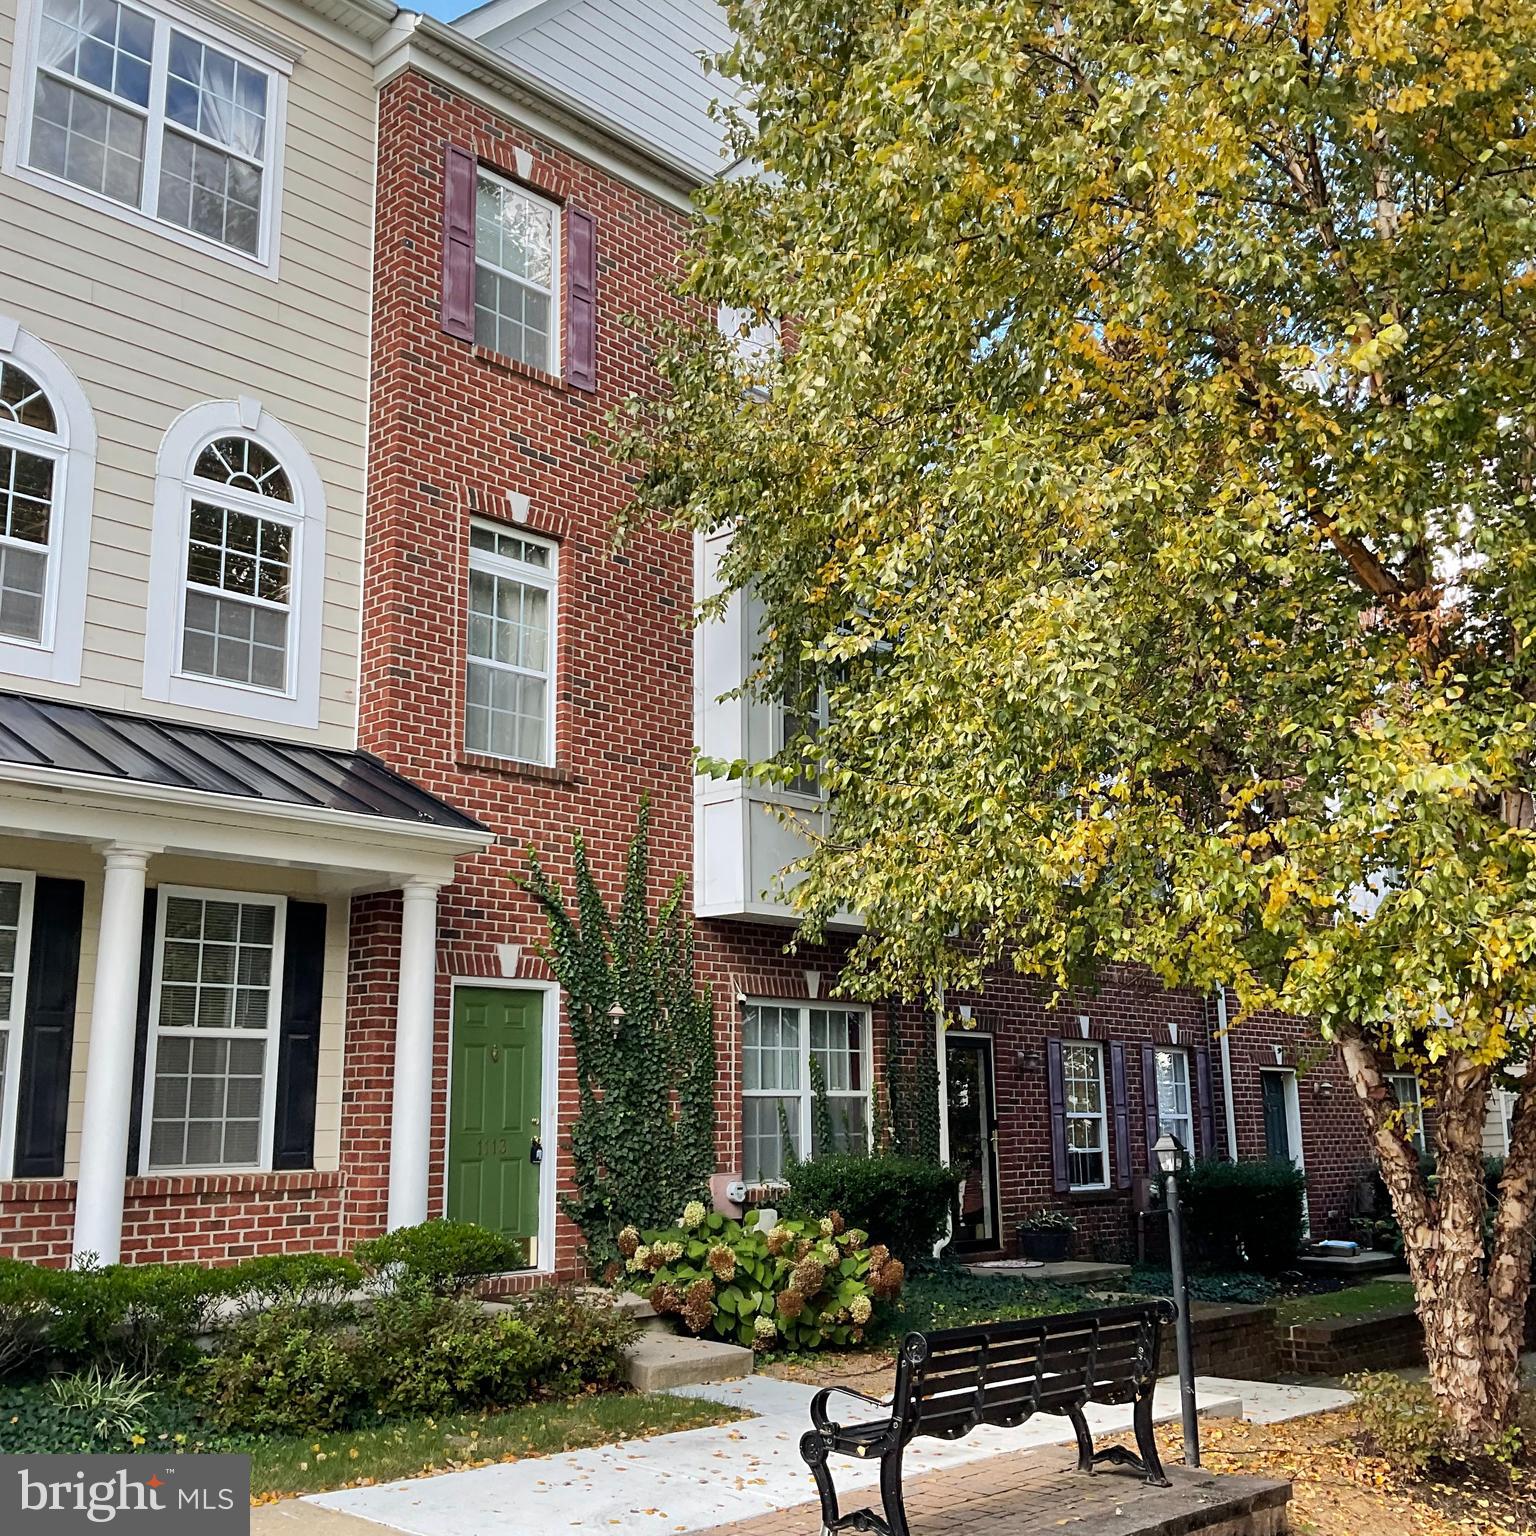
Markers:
819,1405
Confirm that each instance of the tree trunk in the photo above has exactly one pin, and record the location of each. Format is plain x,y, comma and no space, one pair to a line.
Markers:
1471,1297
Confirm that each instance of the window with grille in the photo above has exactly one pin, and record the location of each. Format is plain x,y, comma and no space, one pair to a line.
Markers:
241,528
216,990
1175,1114
509,687
15,936
134,107
1087,1124
1410,1101
517,272
32,463
780,1041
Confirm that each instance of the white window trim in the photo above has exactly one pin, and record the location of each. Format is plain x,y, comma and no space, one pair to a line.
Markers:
1410,1101
56,658
209,22
272,1034
807,1109
492,564
1176,1053
189,434
1097,1048
13,1027
554,359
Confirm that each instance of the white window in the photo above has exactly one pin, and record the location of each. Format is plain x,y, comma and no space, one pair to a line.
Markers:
509,688
47,466
779,1042
1405,1089
213,1051
802,718
517,272
139,110
1082,1065
237,568
15,941
1174,1114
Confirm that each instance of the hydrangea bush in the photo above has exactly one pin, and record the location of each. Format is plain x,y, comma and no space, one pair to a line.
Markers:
796,1285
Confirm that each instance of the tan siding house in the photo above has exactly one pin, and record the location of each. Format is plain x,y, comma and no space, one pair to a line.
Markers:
186,210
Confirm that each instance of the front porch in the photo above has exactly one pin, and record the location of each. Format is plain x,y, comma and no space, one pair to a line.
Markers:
176,907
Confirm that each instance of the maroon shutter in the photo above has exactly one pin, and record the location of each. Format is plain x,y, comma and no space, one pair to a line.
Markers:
580,299
458,312
1057,1080
1122,1115
1207,1105
1149,1094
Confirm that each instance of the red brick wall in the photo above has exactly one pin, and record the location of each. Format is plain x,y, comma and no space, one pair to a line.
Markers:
1134,1009
202,1218
453,432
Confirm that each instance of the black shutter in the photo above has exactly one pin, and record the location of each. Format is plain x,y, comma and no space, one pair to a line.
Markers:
1056,1078
1149,1094
1207,1104
48,1029
298,1050
141,1030
1122,1115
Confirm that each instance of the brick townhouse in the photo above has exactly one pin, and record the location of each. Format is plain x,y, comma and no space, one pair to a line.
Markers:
329,627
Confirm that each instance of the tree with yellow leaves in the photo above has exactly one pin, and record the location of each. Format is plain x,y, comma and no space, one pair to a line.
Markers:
1149,484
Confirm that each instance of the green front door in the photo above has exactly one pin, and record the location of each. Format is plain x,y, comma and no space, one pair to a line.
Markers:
493,1114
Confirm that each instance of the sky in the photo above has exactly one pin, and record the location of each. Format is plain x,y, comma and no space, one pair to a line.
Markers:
444,10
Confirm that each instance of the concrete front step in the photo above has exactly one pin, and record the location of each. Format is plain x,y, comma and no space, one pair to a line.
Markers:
659,1360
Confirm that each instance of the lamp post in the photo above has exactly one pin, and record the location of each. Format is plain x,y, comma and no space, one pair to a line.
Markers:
1169,1153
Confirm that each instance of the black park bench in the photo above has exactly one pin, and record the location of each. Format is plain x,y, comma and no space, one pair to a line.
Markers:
950,1381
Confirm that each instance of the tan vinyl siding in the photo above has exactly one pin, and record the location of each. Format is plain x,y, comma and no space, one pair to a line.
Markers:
151,327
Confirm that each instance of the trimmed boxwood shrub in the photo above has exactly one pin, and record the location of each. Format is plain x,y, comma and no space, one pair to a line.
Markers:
902,1202
449,1256
1238,1214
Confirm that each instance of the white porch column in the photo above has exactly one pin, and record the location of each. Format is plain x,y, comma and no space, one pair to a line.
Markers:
109,1058
410,1130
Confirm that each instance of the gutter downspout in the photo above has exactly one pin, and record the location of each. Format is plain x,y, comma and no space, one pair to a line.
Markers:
1226,1072
942,1076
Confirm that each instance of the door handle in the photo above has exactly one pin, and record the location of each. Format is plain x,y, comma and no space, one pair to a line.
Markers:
535,1151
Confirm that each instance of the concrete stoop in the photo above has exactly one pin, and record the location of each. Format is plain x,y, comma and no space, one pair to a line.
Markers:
661,1357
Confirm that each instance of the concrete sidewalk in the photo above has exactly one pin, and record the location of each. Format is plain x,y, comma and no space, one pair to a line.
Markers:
702,1478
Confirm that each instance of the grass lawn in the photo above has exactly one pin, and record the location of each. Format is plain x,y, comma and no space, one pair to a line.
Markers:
950,1297
1354,1301
412,1447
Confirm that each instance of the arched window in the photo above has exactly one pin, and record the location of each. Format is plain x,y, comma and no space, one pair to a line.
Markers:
237,567
47,467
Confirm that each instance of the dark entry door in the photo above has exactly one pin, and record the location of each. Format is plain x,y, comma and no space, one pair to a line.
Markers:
1277,1117
972,1112
494,1156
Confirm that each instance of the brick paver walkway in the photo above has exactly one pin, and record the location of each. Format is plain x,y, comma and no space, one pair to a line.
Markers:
1042,1492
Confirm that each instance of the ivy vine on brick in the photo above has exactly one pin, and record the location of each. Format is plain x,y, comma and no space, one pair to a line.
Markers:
642,1143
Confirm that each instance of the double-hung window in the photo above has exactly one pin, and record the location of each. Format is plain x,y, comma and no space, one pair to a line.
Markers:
215,1011
802,718
780,1041
15,938
134,107
1082,1065
32,464
517,272
241,529
509,687
1175,1115
1410,1102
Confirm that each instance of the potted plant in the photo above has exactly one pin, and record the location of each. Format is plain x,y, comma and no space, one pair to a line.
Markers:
1047,1236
